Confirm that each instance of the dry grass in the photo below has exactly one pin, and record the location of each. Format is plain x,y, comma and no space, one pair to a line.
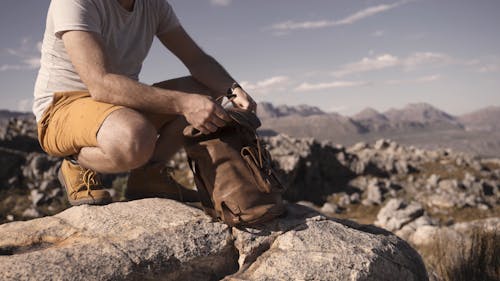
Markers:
466,214
360,213
445,171
491,165
474,257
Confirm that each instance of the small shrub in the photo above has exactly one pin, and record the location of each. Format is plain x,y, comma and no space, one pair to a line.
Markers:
475,257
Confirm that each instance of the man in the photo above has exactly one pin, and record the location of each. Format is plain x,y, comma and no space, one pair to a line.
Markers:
92,110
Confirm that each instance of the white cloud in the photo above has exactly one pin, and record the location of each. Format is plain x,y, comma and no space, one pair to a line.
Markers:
417,59
266,86
360,15
28,56
378,33
385,61
368,64
423,79
305,87
7,67
430,78
489,68
220,2
32,63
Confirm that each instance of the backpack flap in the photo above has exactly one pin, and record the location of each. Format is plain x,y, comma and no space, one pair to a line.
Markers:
244,118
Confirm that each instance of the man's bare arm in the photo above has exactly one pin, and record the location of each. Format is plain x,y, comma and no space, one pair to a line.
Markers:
203,67
87,55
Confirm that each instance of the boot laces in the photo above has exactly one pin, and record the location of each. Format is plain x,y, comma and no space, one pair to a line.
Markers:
89,180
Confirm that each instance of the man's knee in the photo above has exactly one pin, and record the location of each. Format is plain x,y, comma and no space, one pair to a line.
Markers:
128,138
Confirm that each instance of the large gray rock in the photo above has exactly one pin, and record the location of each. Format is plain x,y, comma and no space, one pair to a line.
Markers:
146,239
158,239
308,246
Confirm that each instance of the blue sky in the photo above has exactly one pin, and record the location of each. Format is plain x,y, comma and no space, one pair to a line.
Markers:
339,55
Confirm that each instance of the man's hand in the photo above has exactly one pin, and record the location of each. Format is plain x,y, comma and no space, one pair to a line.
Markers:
204,114
243,100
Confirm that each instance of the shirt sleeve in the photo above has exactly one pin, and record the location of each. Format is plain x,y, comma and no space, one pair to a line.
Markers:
167,18
75,15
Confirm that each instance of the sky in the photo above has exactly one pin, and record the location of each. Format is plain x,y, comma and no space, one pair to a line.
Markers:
339,55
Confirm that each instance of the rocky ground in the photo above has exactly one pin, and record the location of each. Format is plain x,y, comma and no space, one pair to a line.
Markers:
412,192
160,239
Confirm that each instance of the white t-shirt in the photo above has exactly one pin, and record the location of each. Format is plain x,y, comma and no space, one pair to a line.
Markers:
127,38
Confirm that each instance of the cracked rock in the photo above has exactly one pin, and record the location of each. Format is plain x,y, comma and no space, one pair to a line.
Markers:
147,239
319,248
160,239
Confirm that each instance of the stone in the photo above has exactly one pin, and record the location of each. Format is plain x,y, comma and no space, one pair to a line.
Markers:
448,185
375,192
344,199
443,200
355,198
318,248
424,235
144,239
31,213
407,231
397,213
359,146
329,208
36,197
160,239
433,180
382,144
307,204
402,167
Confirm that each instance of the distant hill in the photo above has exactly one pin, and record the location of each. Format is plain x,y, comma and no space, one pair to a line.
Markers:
320,126
486,119
268,110
419,124
421,116
6,114
372,120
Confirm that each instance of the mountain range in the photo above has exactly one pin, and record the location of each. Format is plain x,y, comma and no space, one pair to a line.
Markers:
418,124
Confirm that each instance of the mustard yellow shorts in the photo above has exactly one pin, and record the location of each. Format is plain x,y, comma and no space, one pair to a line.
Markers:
73,119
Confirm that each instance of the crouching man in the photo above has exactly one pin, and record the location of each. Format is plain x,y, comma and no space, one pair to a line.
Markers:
92,110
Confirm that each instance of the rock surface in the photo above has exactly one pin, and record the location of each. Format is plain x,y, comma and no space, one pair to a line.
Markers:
397,213
158,239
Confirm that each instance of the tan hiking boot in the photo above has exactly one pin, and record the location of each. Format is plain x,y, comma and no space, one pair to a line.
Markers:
82,185
155,180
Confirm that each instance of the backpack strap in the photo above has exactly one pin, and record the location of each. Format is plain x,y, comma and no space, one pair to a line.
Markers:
205,197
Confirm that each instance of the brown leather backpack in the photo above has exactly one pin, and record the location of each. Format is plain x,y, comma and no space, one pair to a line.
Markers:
233,172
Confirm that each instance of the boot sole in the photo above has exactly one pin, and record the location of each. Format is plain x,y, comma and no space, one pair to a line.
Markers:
88,201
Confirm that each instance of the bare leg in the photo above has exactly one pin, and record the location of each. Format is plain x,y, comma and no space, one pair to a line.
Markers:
126,140
170,140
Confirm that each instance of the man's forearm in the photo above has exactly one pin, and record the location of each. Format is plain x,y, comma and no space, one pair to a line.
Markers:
211,74
121,90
